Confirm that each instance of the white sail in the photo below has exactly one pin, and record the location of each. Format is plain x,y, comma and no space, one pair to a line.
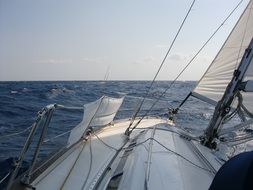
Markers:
98,113
214,82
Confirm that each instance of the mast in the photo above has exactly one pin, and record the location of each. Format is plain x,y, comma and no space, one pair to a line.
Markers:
224,105
107,73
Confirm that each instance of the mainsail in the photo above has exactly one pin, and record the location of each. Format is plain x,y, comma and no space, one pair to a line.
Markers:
214,82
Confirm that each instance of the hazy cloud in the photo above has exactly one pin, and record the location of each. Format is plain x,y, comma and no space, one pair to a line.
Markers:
188,57
55,61
148,59
97,60
178,57
90,60
161,46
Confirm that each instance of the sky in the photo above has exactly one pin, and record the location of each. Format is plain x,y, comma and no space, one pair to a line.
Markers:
81,39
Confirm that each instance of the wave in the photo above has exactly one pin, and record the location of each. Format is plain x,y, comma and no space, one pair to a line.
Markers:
14,92
55,92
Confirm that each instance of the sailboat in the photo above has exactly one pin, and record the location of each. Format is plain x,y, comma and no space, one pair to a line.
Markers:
152,152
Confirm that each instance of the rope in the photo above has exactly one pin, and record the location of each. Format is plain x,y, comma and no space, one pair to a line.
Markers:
177,154
235,111
47,161
15,133
28,128
247,111
105,143
151,99
72,167
181,156
51,139
188,64
239,110
161,65
147,128
90,165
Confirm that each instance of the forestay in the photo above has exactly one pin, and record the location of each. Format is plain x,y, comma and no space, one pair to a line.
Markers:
96,114
214,82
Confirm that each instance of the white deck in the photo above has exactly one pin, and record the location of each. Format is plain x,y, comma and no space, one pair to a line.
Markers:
147,165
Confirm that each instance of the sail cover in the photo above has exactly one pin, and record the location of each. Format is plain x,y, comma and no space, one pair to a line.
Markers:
214,82
96,114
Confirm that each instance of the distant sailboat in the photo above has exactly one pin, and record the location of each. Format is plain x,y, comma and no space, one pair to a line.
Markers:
107,73
106,76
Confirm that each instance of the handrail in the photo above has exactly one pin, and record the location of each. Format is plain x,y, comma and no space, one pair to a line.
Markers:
49,110
46,111
43,120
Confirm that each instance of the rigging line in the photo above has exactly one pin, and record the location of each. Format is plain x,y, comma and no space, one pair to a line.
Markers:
177,154
73,165
230,116
179,134
188,64
139,97
175,132
57,136
237,141
165,108
46,162
2,180
246,111
151,99
161,65
28,128
137,144
105,142
225,20
90,165
39,143
243,125
149,160
16,133
181,156
25,148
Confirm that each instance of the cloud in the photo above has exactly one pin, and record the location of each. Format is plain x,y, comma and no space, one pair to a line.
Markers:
90,60
147,59
178,57
55,61
93,60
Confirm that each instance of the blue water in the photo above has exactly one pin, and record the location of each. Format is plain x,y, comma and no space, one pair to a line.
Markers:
20,102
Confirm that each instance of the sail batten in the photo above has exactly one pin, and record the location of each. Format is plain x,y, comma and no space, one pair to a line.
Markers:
214,82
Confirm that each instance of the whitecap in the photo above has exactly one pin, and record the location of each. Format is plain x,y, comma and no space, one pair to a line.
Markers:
14,92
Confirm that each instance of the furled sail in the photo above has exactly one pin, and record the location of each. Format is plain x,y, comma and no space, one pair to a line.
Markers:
214,82
96,114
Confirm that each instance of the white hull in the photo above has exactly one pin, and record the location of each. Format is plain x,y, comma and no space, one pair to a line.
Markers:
144,162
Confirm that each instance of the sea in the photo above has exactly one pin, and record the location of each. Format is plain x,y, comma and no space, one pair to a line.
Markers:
20,103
